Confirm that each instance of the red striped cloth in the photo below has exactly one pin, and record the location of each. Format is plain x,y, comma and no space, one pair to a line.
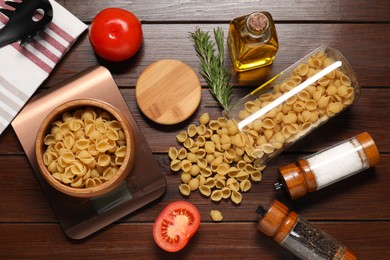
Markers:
23,68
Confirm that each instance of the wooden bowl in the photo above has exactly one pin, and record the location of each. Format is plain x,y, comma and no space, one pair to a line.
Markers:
85,192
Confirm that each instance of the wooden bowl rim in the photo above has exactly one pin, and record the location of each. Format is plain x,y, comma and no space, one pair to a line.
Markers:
104,187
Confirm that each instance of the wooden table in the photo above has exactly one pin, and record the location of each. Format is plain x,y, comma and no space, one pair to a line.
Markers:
355,211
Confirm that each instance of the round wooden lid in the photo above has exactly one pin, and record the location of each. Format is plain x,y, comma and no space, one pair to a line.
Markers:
168,92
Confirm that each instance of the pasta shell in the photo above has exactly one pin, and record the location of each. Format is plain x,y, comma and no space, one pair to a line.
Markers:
114,125
298,106
256,176
206,172
213,125
194,171
92,150
188,143
193,184
201,130
112,134
201,141
210,182
226,192
181,137
103,146
221,122
315,62
209,147
222,169
219,183
185,177
121,151
204,119
242,175
233,184
182,153
175,165
290,101
208,133
230,154
202,163
109,173
185,189
303,95
303,69
216,195
186,165
245,185
334,108
216,215
192,130
205,190
331,90
49,139
192,157
268,123
68,157
236,197
104,160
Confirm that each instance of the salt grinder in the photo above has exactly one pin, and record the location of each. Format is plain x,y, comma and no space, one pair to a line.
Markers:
298,236
328,166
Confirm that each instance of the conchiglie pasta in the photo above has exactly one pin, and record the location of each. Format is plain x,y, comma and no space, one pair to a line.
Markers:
181,137
216,195
236,197
204,119
205,190
121,151
245,185
104,160
192,130
185,177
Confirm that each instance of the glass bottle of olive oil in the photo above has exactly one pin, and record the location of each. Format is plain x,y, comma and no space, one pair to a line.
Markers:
252,41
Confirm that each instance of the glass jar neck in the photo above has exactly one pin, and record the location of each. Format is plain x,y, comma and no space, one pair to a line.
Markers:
257,25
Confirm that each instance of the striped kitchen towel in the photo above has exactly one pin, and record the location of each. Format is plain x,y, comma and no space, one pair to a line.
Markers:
23,68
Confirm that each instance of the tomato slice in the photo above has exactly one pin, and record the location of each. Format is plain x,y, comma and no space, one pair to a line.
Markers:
175,225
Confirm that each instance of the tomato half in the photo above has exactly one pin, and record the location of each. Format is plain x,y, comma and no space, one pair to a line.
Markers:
175,225
115,34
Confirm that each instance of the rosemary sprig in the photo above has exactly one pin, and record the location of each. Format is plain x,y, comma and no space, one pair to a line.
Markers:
212,64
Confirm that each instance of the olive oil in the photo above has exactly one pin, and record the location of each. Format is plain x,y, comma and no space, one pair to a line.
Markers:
252,41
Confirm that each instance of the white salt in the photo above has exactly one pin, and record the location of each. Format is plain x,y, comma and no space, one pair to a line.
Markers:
335,164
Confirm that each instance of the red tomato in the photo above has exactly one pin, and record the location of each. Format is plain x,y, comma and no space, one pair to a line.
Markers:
175,225
115,34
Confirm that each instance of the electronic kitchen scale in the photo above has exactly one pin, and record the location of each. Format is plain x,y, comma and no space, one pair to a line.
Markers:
82,217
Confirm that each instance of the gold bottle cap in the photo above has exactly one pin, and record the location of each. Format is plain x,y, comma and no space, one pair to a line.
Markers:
369,147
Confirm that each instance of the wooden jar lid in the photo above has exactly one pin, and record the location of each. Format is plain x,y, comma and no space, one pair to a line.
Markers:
168,92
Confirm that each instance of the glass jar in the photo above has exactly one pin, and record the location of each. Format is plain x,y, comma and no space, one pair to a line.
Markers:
329,166
299,236
295,102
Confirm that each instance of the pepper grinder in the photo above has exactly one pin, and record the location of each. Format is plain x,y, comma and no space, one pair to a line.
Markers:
299,236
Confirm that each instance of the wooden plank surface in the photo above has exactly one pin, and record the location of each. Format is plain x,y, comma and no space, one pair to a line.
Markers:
151,11
172,41
212,241
355,211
